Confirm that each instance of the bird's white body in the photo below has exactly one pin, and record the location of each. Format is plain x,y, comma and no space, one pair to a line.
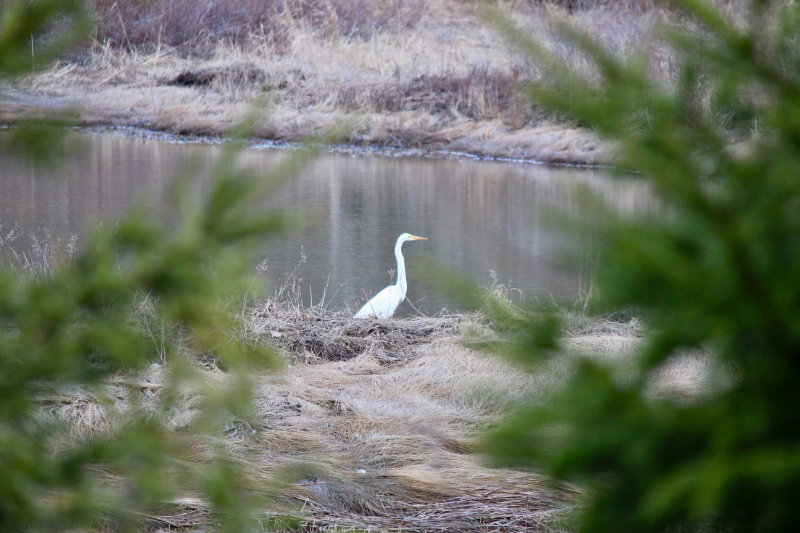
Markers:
384,304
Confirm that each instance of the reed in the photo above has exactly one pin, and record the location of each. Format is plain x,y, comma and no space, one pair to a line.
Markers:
33,254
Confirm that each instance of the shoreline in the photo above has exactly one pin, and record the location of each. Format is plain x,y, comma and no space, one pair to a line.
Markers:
346,149
443,83
424,79
527,147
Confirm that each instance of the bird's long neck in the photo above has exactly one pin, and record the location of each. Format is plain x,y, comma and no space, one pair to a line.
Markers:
401,267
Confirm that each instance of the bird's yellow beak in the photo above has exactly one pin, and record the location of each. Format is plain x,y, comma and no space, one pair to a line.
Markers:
418,238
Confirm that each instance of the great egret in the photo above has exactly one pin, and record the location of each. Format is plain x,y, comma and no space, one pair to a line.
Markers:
384,304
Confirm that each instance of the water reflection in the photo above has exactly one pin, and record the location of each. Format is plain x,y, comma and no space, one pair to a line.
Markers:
479,216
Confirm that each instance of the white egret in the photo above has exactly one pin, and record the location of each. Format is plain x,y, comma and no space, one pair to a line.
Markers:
384,304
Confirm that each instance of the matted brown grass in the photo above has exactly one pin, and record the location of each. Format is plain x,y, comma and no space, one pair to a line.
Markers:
378,420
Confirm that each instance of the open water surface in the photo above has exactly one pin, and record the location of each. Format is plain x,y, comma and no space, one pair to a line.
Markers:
486,220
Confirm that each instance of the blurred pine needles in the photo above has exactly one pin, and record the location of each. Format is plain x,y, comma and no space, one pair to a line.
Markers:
713,271
136,309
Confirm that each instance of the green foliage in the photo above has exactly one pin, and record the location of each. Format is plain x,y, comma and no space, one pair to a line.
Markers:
714,267
33,33
87,324
140,292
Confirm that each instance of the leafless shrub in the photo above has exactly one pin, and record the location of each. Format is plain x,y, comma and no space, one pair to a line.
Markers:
196,26
481,94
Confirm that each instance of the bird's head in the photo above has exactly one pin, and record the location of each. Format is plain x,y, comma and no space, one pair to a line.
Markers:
408,237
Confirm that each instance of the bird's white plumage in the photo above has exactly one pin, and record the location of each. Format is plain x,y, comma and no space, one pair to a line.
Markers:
384,304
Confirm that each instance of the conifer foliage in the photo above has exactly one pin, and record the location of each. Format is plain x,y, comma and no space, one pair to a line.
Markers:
140,292
714,268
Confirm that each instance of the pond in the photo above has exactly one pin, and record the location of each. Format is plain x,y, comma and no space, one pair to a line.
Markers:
485,220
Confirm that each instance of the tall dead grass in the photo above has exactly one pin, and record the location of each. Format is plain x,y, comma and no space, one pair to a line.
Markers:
197,26
376,438
401,73
372,424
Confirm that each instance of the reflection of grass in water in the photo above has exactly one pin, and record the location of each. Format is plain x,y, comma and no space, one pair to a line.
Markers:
32,254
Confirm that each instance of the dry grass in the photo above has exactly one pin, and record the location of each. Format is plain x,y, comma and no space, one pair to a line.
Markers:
404,74
317,335
387,412
383,415
197,26
388,73
33,254
378,420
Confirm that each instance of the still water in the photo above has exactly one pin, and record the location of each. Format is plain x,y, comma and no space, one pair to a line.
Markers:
484,219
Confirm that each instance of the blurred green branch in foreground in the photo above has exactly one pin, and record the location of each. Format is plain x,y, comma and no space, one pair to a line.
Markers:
713,270
138,309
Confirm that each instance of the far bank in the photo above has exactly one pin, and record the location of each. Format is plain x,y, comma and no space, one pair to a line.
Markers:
431,76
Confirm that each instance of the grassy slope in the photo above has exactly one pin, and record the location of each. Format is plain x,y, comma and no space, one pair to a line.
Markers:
417,74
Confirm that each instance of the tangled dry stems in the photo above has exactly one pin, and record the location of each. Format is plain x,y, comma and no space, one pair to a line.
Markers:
197,26
513,507
377,420
382,414
34,254
316,335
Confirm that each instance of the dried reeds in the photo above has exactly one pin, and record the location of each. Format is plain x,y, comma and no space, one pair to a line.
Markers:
376,419
397,73
34,254
198,26
316,335
513,507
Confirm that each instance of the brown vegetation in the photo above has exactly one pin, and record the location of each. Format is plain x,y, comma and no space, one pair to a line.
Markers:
376,422
197,27
389,73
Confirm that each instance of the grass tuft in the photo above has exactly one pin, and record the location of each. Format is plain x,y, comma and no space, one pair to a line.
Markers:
32,254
